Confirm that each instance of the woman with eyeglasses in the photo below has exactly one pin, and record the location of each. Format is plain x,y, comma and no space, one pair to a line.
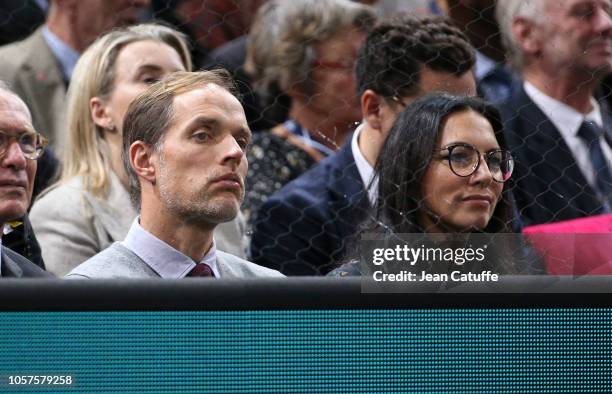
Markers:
89,208
443,169
308,49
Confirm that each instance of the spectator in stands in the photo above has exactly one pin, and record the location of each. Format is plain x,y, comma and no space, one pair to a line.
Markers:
476,18
556,129
443,169
309,48
89,208
39,67
209,24
20,147
261,115
184,150
303,229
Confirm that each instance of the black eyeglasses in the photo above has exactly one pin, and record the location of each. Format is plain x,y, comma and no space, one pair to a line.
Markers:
31,143
464,160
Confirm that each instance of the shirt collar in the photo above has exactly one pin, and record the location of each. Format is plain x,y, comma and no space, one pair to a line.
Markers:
302,132
484,65
168,262
366,171
67,56
6,229
42,4
565,118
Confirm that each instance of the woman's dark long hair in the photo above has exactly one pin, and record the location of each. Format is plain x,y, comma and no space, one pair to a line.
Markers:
407,154
401,167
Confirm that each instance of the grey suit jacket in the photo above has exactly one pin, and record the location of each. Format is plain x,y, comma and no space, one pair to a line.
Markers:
117,261
31,70
16,266
72,225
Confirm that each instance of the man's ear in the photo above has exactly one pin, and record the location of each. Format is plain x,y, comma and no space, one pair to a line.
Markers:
371,108
525,34
100,114
143,160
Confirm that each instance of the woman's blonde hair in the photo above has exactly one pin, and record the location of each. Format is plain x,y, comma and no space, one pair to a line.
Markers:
87,153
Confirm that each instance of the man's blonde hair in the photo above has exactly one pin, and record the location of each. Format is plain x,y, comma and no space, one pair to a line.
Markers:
150,115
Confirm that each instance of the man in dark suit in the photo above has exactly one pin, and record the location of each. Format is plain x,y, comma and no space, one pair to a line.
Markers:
559,134
20,146
304,228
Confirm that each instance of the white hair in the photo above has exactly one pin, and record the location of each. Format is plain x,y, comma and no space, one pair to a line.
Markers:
506,11
6,88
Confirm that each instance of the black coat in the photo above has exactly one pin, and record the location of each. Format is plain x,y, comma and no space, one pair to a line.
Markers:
550,186
303,229
17,266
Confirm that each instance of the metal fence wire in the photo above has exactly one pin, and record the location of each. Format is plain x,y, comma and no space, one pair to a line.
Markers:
344,142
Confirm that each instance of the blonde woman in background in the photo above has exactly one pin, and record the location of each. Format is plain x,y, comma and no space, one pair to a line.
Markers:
89,208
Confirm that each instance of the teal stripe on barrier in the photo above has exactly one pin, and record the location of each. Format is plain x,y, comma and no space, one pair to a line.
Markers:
309,351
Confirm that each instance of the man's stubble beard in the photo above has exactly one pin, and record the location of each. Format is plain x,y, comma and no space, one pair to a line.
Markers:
201,210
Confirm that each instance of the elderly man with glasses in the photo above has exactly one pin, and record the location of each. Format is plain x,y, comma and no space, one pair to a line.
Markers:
20,147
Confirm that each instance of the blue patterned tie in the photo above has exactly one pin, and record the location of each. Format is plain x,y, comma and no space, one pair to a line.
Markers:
591,134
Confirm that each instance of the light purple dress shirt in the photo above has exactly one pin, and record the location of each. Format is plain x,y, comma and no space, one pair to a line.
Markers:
168,262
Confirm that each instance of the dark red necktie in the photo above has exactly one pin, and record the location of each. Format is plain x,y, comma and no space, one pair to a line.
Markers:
201,269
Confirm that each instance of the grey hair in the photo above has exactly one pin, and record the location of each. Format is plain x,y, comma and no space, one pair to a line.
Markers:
284,34
506,11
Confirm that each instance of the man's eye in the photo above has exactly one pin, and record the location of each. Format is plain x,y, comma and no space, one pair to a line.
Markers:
584,12
201,136
243,143
28,139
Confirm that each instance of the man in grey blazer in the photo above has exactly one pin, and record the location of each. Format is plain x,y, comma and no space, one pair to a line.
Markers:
184,149
20,147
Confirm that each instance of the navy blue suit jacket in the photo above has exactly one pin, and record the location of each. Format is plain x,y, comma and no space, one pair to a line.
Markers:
549,184
303,229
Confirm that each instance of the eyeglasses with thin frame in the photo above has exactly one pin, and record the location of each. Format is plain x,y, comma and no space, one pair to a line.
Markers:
464,160
31,143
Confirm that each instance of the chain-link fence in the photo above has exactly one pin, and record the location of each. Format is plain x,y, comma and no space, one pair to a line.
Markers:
343,141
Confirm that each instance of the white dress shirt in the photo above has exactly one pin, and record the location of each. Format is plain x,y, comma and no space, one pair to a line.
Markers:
366,171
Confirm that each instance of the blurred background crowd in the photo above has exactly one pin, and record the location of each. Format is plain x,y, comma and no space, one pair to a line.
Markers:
322,83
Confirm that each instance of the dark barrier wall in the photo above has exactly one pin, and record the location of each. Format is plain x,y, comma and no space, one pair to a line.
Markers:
303,336
312,351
